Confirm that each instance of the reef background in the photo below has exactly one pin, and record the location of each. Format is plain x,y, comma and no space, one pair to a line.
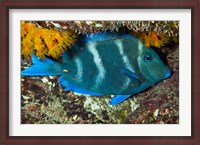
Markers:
43,101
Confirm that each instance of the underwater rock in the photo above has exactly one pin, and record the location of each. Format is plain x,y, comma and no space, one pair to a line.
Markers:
162,99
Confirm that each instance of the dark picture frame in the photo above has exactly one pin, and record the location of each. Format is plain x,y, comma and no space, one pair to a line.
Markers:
6,5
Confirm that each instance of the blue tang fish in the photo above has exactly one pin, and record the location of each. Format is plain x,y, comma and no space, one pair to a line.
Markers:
104,64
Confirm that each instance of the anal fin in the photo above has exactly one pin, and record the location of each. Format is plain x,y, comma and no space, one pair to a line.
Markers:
118,99
70,87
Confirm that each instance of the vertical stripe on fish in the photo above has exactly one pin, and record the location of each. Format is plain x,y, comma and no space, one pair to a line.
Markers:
98,63
79,67
125,60
140,47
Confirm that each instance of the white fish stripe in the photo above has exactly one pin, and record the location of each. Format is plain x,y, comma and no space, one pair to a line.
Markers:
140,47
124,57
79,66
125,60
98,62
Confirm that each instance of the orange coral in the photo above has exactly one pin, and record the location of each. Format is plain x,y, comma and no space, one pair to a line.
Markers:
152,38
44,42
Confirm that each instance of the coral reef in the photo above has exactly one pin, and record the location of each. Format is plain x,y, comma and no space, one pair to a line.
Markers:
43,101
152,33
51,38
44,42
152,39
169,28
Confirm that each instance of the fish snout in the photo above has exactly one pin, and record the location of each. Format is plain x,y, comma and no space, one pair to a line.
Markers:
168,73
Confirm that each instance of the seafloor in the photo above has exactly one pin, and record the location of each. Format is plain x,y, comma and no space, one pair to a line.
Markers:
43,101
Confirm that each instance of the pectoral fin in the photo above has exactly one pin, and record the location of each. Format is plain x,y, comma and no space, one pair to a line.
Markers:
132,75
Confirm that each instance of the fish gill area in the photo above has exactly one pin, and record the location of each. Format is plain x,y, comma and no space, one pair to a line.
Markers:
43,101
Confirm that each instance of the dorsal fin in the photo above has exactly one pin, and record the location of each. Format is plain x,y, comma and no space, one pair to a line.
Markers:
103,36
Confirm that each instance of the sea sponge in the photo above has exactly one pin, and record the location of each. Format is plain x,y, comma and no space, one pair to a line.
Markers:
44,42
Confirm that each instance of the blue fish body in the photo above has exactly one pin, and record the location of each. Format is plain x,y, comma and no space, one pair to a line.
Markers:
104,64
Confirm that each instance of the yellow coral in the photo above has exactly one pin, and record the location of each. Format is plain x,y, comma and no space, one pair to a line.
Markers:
44,42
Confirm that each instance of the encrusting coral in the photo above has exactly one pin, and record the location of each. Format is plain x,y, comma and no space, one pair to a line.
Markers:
152,33
44,42
152,38
169,28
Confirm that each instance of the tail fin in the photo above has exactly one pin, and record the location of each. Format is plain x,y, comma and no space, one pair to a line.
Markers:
45,67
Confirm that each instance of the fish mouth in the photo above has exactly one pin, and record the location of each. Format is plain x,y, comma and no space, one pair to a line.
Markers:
168,74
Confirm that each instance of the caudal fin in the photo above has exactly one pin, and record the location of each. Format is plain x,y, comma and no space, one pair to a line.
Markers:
45,67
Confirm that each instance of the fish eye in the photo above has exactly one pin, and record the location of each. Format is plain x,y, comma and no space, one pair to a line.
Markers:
148,58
